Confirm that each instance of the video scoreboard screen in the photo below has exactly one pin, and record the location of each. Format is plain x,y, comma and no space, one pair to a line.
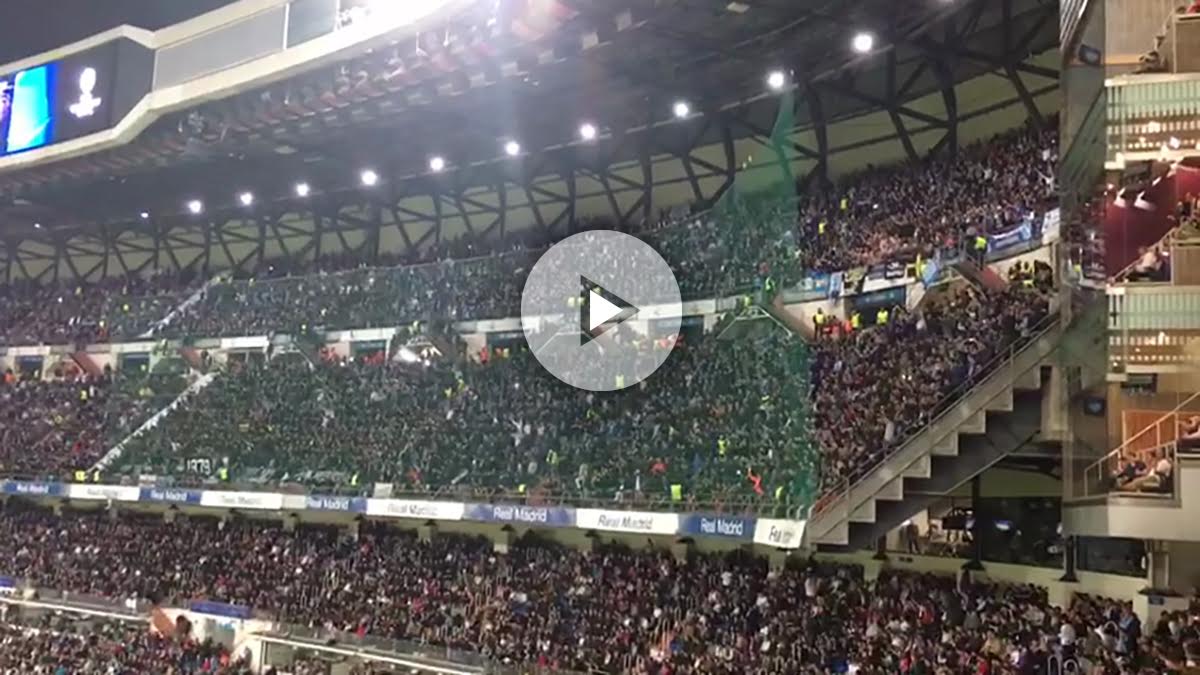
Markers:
72,97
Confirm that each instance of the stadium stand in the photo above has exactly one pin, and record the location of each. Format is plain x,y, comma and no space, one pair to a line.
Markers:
886,214
900,212
116,308
874,387
107,649
65,424
610,609
503,423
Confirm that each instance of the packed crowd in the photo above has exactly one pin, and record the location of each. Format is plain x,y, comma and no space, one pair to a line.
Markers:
116,308
610,609
55,427
873,387
883,214
718,424
107,649
900,212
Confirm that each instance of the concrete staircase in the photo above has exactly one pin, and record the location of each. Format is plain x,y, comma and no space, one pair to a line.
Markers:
778,312
997,417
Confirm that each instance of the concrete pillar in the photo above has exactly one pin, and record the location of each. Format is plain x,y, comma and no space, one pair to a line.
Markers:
114,511
173,515
976,561
427,531
57,509
290,521
1069,561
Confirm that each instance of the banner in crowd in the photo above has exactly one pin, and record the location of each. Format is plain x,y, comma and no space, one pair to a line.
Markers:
553,516
219,609
836,284
269,501
639,522
779,533
412,508
852,280
335,503
116,493
1015,237
814,286
7,584
170,495
727,527
771,532
35,489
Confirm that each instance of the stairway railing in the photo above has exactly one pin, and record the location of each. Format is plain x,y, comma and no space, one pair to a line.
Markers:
1094,476
1019,358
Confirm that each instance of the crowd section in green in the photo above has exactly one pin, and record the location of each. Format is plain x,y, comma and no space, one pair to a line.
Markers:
720,421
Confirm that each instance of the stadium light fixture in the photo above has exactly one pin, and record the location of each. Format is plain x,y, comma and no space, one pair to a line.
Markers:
436,163
37,226
195,207
863,43
682,109
246,198
145,215
587,131
776,79
369,177
512,148
302,189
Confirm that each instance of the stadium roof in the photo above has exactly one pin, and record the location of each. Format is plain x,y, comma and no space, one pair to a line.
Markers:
34,26
464,91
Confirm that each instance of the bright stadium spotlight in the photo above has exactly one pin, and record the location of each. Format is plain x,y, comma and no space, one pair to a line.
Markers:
145,215
587,131
863,43
246,198
776,79
37,226
436,164
302,189
512,148
682,109
369,177
195,207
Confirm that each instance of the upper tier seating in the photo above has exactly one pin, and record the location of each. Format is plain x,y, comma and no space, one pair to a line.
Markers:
884,214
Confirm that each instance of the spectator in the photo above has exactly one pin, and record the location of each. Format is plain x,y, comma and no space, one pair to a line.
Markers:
610,609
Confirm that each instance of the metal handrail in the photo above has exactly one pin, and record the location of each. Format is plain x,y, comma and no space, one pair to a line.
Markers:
946,405
1165,239
1153,426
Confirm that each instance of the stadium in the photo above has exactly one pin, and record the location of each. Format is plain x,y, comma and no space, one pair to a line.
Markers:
600,336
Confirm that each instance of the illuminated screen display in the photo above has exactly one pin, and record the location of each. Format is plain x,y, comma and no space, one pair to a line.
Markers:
5,108
31,119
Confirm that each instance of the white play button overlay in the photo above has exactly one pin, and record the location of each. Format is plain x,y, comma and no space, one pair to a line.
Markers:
600,310
603,309
597,309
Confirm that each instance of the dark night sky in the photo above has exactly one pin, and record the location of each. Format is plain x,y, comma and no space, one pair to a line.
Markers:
28,27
